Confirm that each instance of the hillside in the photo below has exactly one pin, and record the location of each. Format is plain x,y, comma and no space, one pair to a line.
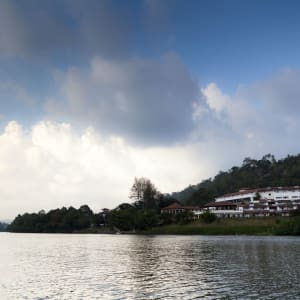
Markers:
266,172
3,226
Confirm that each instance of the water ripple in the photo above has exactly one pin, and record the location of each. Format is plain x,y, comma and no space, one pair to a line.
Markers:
148,267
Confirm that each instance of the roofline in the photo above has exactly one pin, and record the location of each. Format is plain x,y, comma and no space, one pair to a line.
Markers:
260,190
219,203
179,206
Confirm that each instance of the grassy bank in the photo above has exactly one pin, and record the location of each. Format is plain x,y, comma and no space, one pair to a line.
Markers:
101,230
252,226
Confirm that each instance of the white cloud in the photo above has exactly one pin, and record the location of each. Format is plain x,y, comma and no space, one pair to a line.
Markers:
279,94
52,165
216,100
259,118
234,110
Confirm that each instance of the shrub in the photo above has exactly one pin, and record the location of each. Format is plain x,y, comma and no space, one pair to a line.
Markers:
208,217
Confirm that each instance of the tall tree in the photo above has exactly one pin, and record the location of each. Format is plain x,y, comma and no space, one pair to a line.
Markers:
144,193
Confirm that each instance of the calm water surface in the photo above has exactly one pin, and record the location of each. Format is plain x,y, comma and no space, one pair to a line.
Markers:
148,267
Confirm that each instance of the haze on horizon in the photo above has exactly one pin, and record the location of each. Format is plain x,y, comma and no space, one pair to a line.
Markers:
95,93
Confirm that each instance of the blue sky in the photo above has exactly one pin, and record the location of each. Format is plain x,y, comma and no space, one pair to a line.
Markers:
146,83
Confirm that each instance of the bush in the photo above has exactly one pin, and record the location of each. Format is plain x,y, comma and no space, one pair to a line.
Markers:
295,213
184,217
208,217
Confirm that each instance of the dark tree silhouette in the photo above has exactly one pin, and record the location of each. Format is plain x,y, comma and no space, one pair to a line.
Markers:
144,193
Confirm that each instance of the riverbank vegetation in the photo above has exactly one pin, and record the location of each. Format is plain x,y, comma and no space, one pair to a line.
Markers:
129,219
3,226
240,226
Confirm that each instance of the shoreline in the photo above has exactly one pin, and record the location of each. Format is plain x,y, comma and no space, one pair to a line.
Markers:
267,226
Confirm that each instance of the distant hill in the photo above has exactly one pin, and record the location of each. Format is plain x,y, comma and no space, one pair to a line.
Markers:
3,226
266,172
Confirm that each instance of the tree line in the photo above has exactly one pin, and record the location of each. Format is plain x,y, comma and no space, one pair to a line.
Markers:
3,226
57,220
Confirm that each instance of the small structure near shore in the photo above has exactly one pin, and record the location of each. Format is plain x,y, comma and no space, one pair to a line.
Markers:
176,208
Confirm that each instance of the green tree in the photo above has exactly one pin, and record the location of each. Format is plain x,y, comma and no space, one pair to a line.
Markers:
257,196
3,226
208,217
57,220
144,193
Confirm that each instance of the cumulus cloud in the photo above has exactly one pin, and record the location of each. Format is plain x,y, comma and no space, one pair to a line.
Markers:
51,165
280,93
263,116
147,101
234,111
158,101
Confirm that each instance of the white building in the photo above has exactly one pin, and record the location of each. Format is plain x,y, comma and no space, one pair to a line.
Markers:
224,209
264,201
176,208
274,193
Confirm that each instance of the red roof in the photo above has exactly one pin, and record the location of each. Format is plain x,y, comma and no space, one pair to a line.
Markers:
191,207
174,206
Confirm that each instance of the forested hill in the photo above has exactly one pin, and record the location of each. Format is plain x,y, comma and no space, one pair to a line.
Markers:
266,172
3,226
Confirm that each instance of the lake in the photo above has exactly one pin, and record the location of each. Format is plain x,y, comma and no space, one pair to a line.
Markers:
65,266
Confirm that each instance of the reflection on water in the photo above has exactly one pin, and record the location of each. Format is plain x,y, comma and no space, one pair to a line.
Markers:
148,267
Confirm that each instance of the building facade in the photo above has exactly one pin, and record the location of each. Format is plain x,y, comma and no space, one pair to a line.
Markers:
263,201
225,209
176,208
260,202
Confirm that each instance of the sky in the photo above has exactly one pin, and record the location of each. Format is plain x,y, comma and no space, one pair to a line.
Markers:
95,93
